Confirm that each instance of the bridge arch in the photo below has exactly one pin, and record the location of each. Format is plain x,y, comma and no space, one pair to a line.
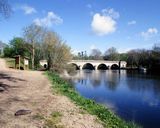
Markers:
102,67
114,66
75,66
88,66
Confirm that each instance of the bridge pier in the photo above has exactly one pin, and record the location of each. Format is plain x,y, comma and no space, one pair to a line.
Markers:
80,67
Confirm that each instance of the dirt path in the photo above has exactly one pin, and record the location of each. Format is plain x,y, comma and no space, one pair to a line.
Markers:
31,90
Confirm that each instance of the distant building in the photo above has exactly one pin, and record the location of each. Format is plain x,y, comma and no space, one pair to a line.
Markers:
43,63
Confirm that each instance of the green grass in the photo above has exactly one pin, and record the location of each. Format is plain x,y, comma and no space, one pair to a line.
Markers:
38,116
109,119
54,120
10,62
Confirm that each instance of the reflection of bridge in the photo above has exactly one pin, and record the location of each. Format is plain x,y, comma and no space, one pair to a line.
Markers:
98,64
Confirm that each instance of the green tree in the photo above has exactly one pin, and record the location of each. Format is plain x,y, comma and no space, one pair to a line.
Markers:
133,58
17,46
8,51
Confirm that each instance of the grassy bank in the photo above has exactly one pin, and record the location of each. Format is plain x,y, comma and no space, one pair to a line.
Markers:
109,119
10,62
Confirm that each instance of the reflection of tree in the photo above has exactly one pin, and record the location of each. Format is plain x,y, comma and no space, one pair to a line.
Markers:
83,81
143,83
72,73
156,88
96,82
112,80
138,82
96,79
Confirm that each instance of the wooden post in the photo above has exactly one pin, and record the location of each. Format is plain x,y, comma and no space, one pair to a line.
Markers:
19,61
24,63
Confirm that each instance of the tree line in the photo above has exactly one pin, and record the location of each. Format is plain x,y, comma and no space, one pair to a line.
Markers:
40,43
135,58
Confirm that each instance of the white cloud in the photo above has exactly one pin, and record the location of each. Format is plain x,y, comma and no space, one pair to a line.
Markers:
133,22
49,20
28,9
149,33
111,13
104,23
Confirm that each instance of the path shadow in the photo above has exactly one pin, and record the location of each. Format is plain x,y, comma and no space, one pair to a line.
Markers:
5,86
5,76
10,78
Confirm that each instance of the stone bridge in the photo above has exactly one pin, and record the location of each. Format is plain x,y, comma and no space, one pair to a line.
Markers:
98,64
93,64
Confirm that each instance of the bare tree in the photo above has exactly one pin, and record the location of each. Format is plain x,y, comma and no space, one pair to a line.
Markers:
111,54
96,54
56,51
33,34
5,8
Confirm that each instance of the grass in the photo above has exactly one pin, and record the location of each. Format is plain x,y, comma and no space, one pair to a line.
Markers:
53,121
10,62
38,117
109,119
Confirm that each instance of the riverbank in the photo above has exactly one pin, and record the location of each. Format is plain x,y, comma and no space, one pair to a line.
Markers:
31,91
108,118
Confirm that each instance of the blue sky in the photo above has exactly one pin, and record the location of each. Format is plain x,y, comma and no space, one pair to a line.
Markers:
88,24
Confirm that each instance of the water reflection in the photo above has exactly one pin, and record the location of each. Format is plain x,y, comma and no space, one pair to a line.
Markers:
133,96
112,79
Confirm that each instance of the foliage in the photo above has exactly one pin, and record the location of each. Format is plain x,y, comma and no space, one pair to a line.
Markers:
56,51
144,58
33,34
109,119
17,46
96,54
8,51
111,54
39,55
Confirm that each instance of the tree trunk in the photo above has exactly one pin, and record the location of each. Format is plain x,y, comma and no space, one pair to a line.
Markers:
49,62
33,53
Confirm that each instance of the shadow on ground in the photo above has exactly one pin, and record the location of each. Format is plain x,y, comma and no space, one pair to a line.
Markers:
6,77
10,78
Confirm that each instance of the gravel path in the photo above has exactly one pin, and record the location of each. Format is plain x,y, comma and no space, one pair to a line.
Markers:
31,90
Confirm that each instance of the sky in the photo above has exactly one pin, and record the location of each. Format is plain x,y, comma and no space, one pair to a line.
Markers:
89,24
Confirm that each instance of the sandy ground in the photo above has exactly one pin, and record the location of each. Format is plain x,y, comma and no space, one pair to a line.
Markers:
31,90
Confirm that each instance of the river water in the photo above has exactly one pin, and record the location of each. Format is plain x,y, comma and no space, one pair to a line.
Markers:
133,96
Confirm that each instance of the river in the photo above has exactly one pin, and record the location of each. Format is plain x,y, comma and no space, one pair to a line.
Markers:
131,95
